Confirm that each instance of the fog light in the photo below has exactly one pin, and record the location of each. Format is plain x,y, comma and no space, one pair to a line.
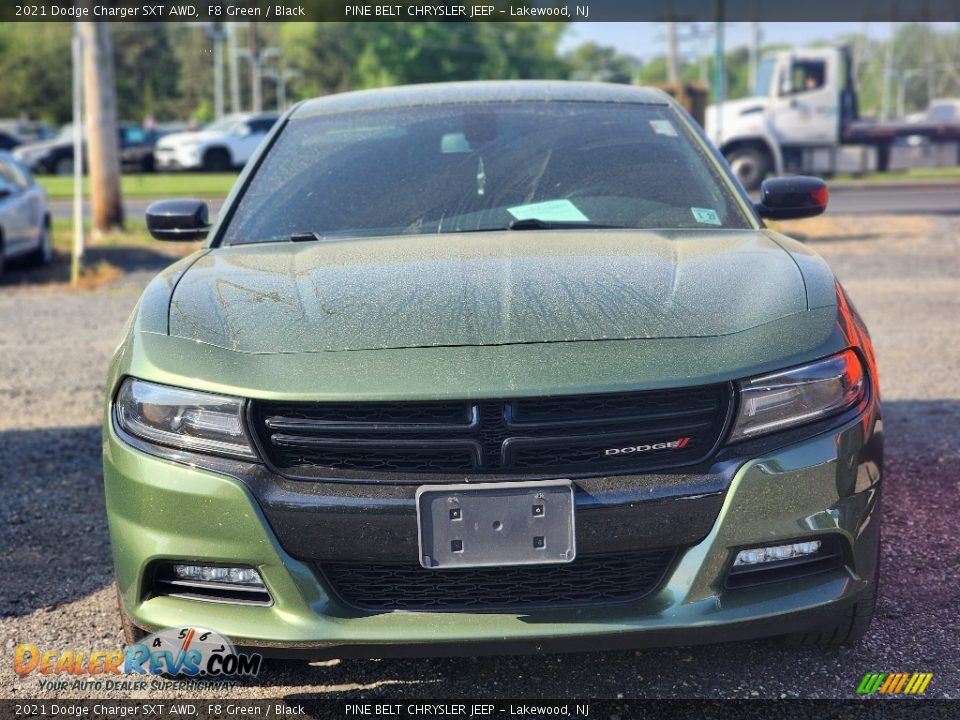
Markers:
773,553
212,573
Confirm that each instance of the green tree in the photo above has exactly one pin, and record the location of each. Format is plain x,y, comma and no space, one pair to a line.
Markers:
34,64
148,71
332,57
590,61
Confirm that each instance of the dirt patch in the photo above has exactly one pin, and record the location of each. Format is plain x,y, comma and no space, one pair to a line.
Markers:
853,228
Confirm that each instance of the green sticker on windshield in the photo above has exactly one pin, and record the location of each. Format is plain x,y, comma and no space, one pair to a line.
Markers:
705,216
663,127
551,211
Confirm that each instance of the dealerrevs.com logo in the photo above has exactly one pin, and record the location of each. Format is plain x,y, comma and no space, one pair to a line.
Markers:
894,683
677,444
185,652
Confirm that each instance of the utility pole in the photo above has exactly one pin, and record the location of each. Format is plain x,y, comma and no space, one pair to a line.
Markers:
887,74
754,50
719,71
672,74
234,70
76,257
103,145
218,34
256,101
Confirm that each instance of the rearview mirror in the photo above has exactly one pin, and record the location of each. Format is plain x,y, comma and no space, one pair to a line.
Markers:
792,198
178,219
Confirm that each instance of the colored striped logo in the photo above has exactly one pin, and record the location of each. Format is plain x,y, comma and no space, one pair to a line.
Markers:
894,683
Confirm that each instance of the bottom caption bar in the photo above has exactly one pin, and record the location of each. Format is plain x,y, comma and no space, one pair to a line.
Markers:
189,709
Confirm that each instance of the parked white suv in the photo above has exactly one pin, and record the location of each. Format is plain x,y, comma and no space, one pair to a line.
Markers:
225,145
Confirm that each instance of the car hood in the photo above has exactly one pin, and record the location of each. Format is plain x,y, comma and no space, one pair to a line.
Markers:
41,147
474,289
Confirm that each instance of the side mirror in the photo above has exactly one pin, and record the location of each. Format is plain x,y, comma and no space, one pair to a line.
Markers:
5,192
178,219
242,131
791,198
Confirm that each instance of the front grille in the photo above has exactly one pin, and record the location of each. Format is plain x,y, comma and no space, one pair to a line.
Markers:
586,582
522,438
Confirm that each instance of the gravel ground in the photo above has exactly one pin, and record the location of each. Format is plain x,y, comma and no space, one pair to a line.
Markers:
903,274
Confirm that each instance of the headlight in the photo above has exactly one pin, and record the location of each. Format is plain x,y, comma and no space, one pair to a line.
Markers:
802,394
184,419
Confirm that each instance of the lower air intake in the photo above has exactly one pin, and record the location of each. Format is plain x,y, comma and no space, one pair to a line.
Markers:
588,581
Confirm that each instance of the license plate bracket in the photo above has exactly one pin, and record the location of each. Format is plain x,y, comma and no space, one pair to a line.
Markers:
496,524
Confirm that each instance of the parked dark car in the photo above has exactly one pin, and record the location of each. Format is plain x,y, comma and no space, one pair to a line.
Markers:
56,156
8,141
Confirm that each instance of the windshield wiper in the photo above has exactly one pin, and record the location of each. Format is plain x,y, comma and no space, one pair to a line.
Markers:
538,224
308,236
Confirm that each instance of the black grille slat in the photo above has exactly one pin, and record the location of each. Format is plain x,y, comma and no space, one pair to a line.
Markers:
616,405
406,413
525,437
587,581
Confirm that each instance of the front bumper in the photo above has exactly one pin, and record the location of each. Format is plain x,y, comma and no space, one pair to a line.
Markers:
176,158
822,486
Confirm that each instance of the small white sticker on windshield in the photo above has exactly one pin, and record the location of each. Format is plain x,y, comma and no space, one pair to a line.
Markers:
705,216
663,127
550,210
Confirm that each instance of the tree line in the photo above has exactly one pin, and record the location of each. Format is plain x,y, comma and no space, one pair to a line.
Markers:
166,70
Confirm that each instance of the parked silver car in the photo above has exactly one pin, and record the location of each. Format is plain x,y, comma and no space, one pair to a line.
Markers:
24,215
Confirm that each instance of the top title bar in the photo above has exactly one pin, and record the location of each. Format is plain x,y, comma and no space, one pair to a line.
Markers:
486,11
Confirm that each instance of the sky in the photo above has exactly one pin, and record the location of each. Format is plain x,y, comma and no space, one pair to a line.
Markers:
646,40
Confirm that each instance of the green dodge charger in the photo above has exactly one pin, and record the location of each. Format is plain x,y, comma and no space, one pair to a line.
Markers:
494,367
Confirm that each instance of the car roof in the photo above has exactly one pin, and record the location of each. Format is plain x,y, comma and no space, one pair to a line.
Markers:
481,92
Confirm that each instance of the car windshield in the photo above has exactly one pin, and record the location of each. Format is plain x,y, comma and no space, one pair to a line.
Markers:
476,167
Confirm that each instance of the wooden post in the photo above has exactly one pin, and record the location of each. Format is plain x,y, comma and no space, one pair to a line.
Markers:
256,102
103,141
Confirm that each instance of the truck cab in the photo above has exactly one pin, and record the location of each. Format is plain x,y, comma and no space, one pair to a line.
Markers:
804,118
801,100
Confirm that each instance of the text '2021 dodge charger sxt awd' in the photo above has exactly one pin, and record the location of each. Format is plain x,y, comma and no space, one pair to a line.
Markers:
494,367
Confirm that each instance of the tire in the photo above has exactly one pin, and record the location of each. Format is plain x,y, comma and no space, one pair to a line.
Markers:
217,160
3,258
750,165
43,255
131,633
848,626
63,166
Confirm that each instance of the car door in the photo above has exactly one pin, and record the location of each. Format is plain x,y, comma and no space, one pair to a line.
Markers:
805,107
16,210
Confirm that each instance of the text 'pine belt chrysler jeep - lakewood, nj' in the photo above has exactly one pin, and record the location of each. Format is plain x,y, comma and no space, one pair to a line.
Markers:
494,367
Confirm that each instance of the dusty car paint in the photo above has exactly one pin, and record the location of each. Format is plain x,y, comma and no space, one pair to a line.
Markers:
502,315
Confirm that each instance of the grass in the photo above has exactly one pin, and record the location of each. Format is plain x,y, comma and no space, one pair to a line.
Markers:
150,185
134,234
209,185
